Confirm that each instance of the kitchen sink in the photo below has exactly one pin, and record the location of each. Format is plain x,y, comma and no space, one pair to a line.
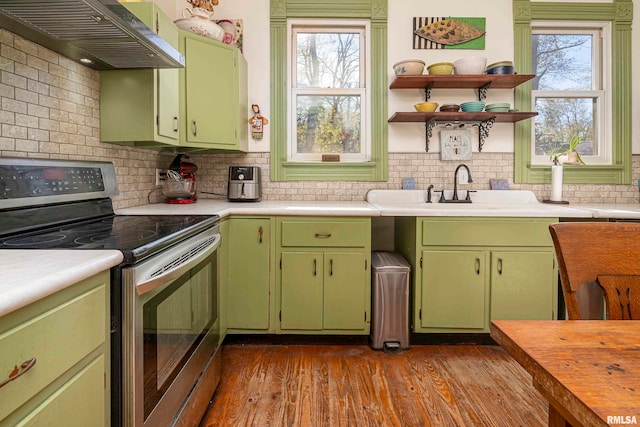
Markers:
507,203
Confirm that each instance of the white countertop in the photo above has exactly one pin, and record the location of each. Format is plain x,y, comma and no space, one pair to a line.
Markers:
29,275
483,205
611,210
267,207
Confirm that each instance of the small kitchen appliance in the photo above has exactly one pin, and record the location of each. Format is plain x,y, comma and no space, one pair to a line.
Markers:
244,184
179,186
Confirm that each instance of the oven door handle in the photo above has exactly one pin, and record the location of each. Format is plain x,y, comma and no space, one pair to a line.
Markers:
161,271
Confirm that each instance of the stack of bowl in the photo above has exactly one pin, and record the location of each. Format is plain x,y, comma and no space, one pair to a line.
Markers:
440,68
470,65
498,107
502,67
472,106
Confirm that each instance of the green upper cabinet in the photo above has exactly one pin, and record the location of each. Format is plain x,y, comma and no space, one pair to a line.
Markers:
141,107
213,101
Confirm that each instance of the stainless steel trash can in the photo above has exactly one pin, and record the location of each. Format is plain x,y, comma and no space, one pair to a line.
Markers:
390,311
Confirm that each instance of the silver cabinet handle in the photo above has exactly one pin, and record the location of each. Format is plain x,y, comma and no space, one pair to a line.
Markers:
260,232
500,266
175,124
18,372
323,235
478,266
194,128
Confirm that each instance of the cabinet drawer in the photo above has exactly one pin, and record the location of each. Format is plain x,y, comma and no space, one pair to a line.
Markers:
58,339
487,232
318,233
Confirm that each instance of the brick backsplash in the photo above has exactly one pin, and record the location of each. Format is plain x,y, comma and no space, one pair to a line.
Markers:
50,108
425,168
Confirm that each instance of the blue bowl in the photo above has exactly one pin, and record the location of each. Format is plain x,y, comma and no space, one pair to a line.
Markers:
501,69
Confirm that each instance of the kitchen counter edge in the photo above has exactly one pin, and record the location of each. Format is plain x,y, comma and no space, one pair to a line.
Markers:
29,275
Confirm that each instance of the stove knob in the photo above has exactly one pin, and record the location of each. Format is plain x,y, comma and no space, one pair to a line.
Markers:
241,177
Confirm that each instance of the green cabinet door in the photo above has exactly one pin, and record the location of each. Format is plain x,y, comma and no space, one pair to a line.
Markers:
140,107
345,281
453,289
301,291
248,273
522,285
214,94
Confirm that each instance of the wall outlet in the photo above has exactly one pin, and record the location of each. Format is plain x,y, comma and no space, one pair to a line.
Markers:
161,175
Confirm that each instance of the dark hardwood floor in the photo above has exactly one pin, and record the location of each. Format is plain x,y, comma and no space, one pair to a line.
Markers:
353,385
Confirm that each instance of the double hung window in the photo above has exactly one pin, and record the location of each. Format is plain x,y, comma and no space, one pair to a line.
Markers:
328,102
572,90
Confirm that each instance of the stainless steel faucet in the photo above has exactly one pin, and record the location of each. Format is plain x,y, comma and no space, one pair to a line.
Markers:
455,181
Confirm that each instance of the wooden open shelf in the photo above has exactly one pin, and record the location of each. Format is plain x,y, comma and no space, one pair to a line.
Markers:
461,81
461,117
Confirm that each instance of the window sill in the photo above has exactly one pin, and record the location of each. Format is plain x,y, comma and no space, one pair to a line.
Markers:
579,174
329,171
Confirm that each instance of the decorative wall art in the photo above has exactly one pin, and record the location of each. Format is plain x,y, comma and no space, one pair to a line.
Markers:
448,33
455,144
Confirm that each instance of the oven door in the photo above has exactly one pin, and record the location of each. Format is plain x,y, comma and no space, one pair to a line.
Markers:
171,328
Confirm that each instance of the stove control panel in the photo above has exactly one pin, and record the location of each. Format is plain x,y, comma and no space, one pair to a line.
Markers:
54,181
30,181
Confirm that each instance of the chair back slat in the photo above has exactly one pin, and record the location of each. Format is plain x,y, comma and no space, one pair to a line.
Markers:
622,296
586,250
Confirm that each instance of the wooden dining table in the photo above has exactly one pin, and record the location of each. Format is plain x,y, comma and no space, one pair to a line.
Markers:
588,370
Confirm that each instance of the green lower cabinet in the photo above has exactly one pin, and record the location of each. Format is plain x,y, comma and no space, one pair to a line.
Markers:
344,281
301,291
522,285
469,271
324,275
64,339
247,278
323,291
453,290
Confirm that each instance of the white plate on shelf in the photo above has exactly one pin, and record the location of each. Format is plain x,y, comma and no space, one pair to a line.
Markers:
202,27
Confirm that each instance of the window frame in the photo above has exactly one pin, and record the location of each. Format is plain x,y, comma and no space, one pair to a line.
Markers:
296,26
376,169
600,85
620,14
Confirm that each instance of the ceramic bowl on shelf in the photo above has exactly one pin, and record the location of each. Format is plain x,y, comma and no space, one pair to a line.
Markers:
409,67
501,69
470,65
449,108
426,107
498,107
472,106
440,68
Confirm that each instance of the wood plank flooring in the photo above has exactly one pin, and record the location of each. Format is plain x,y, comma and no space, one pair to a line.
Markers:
353,385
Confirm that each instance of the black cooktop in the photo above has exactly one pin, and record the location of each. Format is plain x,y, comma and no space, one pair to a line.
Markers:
135,236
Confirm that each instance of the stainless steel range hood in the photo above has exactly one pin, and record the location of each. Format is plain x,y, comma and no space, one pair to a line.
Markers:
103,31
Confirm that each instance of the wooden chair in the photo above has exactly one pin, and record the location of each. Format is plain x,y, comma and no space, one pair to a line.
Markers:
605,253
